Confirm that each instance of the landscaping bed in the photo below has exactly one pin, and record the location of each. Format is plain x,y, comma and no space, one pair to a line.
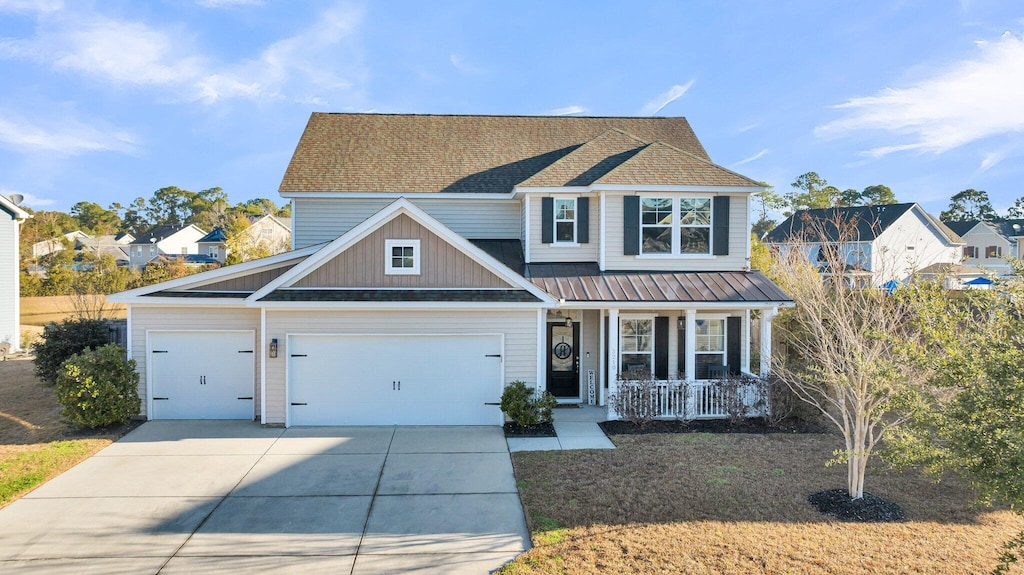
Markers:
513,429
755,425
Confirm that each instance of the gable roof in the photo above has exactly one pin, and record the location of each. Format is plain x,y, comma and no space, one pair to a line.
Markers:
217,235
1011,228
962,228
160,233
410,153
584,165
865,223
662,164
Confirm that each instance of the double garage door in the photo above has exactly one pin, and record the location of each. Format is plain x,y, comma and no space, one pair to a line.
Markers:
202,375
394,379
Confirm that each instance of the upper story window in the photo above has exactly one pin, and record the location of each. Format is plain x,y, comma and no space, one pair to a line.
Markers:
266,232
184,250
675,226
994,252
401,257
565,221
971,252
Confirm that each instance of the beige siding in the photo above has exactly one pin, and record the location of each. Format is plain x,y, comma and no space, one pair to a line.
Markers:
318,220
251,282
739,238
541,252
189,318
363,264
519,327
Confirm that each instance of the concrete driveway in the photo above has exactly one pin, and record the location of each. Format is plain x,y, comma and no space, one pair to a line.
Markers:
232,497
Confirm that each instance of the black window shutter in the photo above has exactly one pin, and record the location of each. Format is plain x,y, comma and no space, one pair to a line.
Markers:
547,220
631,225
661,347
732,345
583,220
681,350
720,227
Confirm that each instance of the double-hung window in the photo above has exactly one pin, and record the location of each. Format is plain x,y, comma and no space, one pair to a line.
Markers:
565,221
675,226
994,252
401,257
710,345
971,252
636,345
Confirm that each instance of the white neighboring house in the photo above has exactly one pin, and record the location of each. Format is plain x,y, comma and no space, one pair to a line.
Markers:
268,235
169,241
878,244
989,244
52,245
11,217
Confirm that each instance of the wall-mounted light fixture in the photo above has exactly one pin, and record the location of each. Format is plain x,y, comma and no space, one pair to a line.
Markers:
568,321
273,347
681,323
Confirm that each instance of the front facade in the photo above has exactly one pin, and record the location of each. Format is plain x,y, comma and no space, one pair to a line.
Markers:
168,241
438,258
990,245
11,217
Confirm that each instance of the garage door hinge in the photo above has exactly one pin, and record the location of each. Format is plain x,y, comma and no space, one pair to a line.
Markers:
160,398
244,351
245,398
299,355
493,355
159,351
300,404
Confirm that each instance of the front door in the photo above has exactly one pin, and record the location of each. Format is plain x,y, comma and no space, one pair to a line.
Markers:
564,360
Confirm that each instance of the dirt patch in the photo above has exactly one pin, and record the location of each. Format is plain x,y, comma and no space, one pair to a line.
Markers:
513,429
868,509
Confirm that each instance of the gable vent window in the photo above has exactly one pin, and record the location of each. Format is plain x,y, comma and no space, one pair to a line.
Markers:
402,257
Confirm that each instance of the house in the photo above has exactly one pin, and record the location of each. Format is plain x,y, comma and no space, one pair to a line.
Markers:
876,244
266,235
166,240
11,217
47,247
990,244
438,258
113,245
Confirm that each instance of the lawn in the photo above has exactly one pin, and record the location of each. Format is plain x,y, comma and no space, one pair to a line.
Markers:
736,503
35,445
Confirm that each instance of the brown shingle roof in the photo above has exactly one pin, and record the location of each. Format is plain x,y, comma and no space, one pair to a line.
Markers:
585,164
427,153
661,164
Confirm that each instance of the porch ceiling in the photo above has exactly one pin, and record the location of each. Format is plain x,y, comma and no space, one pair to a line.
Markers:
583,283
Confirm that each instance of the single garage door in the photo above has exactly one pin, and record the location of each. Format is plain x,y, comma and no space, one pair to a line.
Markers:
202,375
394,379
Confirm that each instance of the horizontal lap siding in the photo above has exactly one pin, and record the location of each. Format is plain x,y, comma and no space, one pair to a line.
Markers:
739,237
9,320
182,318
322,220
251,282
541,252
519,327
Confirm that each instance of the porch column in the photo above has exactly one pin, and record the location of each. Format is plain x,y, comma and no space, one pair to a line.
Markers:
542,345
601,371
766,340
745,356
613,357
691,344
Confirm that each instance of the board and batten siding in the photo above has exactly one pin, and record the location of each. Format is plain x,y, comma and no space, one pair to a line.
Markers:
519,327
561,252
191,318
739,238
250,282
322,220
9,284
363,264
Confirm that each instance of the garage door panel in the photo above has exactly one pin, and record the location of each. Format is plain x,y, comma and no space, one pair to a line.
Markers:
385,380
202,375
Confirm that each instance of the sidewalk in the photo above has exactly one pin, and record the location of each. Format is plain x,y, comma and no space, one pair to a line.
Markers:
576,429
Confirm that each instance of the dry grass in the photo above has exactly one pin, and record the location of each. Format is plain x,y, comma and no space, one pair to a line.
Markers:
717,503
44,310
35,444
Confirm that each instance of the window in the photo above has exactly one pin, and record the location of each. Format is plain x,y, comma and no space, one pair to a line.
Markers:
675,226
402,257
565,221
993,252
152,250
636,345
911,248
710,345
266,232
971,252
184,251
213,252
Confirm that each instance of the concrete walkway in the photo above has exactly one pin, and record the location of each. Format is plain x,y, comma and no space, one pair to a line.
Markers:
232,497
576,428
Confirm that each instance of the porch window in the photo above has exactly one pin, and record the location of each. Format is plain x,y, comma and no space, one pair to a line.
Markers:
636,345
565,221
710,345
402,257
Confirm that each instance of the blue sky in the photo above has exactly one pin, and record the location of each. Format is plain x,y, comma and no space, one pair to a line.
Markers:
108,101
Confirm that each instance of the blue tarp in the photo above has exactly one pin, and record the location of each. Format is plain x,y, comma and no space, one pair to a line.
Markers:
980,281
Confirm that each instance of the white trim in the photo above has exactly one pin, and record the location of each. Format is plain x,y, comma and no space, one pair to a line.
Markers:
671,188
676,228
397,195
602,400
526,229
188,301
690,347
613,357
370,305
264,356
19,214
668,305
128,332
525,190
541,352
389,260
602,250
745,352
637,317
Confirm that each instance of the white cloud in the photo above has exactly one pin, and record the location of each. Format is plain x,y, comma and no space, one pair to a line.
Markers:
566,111
30,200
64,138
756,156
746,128
227,3
40,6
673,94
990,160
968,101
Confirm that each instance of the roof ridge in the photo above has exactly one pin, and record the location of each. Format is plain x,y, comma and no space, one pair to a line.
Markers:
427,114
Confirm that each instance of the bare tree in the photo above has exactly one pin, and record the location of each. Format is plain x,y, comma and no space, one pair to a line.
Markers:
848,344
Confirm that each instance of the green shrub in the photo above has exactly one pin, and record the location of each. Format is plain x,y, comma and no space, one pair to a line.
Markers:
65,339
522,406
99,387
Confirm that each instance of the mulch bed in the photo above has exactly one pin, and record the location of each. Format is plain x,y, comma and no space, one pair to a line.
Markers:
868,509
513,429
118,430
709,426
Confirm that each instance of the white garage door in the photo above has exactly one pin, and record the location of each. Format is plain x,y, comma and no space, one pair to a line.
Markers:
394,379
202,375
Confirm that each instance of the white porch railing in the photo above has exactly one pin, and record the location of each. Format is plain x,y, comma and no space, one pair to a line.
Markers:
702,399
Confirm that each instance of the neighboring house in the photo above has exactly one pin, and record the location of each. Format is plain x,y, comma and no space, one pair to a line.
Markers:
438,258
876,244
114,245
47,247
267,235
11,217
955,276
164,241
989,244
